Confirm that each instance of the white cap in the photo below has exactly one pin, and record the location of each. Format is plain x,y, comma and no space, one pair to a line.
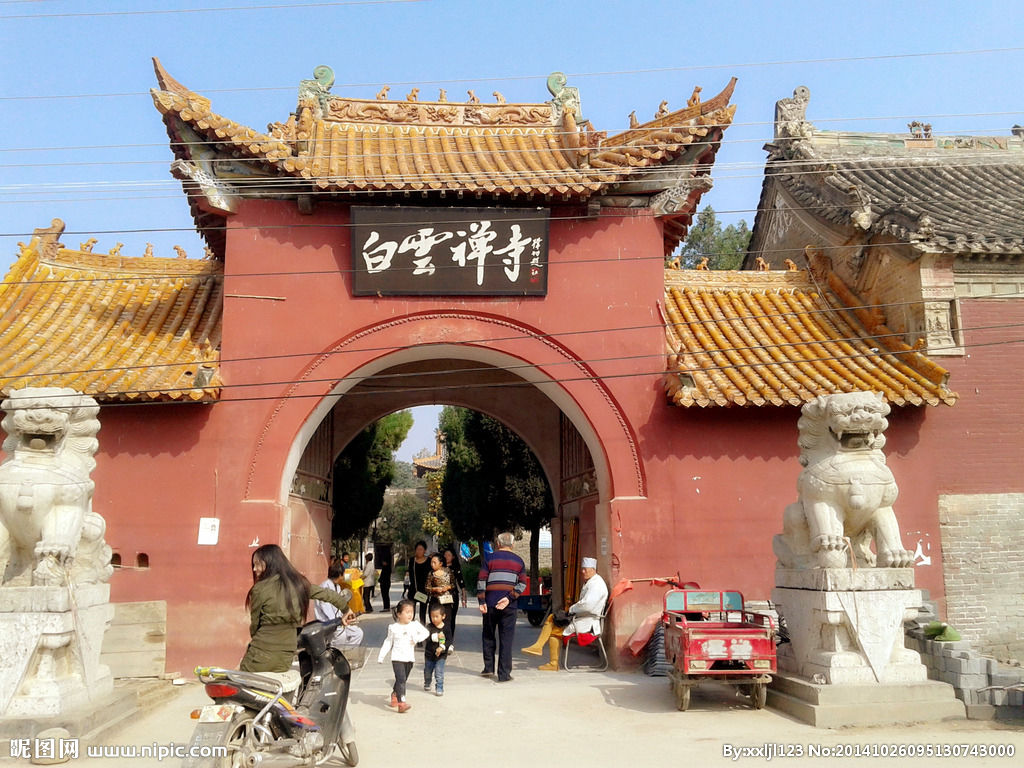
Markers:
589,562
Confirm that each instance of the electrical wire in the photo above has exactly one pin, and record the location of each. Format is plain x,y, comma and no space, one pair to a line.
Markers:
306,187
563,217
339,196
125,272
698,143
168,11
612,130
787,168
728,322
543,78
149,276
455,176
434,389
800,162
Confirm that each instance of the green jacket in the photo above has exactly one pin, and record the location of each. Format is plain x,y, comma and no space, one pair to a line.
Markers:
273,628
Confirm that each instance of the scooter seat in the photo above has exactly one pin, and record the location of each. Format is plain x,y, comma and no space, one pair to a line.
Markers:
290,679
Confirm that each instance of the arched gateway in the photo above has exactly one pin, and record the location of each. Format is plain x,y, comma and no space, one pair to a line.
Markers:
368,255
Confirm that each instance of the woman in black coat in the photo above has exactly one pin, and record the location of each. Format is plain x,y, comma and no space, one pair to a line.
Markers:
416,578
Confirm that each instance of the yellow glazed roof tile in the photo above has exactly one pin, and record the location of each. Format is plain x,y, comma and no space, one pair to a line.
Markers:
489,150
116,328
777,338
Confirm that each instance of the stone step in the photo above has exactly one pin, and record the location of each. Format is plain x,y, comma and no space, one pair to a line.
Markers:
867,693
152,692
833,706
134,696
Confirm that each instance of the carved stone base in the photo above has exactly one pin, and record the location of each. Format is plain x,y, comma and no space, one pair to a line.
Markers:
50,641
853,634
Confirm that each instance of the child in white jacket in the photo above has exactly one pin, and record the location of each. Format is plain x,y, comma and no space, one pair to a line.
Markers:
401,642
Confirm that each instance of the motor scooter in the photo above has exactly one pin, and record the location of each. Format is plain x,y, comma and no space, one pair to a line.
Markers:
278,720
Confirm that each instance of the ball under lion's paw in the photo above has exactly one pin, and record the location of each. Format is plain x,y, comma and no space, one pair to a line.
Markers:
827,543
830,551
49,572
896,558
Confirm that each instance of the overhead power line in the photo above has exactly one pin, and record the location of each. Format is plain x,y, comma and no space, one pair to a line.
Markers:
552,364
232,144
543,78
610,129
586,262
1005,204
520,383
538,176
170,11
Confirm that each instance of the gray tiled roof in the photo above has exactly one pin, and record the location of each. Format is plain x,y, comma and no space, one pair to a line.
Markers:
954,194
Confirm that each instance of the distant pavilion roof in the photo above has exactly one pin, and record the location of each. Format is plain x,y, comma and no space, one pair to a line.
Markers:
117,328
502,151
427,464
778,338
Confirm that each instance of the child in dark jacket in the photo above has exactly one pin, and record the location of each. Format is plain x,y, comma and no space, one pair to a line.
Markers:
435,650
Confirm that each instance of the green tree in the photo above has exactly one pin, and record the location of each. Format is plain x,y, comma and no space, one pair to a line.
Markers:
404,477
363,471
401,522
492,480
723,247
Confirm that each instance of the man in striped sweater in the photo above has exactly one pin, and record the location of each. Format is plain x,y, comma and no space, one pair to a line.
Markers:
502,580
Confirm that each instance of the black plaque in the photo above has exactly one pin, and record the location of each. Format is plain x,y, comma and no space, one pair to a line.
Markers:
406,250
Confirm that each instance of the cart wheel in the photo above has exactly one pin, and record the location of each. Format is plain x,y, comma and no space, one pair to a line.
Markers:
759,695
536,618
682,697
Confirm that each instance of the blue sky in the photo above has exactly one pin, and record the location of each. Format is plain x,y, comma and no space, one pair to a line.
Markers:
82,141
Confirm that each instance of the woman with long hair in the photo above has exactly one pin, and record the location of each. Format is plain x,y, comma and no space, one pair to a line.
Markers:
278,602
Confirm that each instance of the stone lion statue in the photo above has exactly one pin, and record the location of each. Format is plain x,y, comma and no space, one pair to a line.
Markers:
846,491
49,534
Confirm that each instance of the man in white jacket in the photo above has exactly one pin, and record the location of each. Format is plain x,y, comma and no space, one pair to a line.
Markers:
587,610
586,616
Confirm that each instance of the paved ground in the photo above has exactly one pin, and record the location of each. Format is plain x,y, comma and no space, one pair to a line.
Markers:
594,719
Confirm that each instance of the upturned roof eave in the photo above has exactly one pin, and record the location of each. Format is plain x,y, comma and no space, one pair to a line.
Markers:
581,179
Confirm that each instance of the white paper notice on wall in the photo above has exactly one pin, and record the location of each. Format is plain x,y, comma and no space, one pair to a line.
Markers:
209,530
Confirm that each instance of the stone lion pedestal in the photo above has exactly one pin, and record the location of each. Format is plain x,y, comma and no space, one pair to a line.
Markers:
846,663
851,624
50,639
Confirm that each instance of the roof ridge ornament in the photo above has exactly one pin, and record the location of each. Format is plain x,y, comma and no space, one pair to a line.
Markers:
46,240
920,130
318,88
791,115
566,98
